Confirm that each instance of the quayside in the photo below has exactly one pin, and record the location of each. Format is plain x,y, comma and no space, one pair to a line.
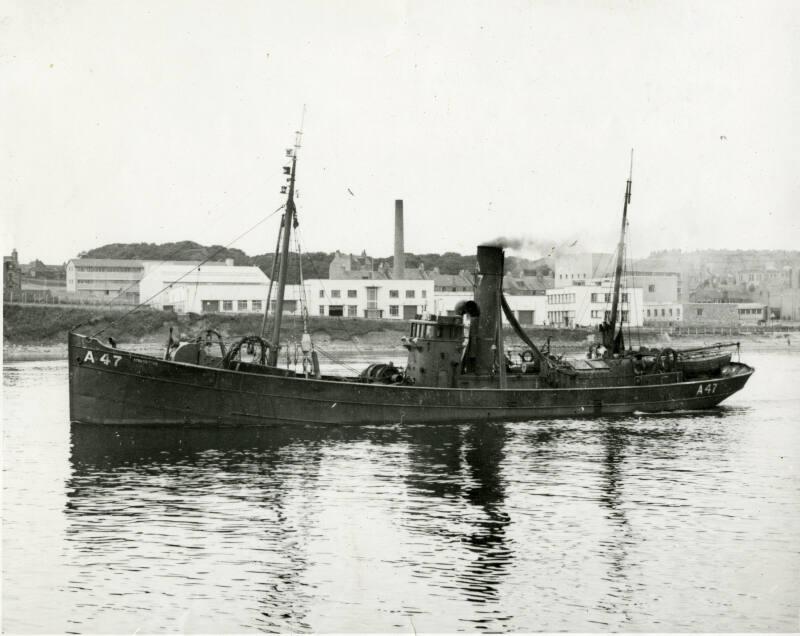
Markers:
458,369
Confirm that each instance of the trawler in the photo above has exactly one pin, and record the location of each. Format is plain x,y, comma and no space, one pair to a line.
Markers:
457,370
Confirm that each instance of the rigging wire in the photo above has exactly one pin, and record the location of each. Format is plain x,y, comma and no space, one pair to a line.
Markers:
302,295
265,319
336,361
632,299
195,267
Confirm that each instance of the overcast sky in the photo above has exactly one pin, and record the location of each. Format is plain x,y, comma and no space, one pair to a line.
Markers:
163,121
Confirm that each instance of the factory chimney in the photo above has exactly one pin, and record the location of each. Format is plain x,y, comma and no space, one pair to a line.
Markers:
399,255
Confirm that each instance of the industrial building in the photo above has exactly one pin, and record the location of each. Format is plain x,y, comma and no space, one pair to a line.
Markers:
356,289
662,314
208,288
588,268
105,278
358,298
590,305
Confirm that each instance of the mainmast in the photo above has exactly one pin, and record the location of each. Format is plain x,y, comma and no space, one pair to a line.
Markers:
609,336
288,224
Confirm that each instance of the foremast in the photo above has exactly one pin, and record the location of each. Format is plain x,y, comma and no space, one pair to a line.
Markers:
611,339
288,223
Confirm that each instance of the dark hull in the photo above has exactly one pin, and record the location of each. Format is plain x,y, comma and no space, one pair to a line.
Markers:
114,387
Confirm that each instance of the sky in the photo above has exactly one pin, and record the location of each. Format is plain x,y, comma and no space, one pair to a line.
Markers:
165,121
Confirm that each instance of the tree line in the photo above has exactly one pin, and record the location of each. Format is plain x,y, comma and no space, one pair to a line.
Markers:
315,264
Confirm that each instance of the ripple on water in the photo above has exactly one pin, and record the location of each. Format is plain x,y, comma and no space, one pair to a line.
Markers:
649,523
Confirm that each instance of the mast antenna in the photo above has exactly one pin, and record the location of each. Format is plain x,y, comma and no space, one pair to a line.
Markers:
299,133
610,340
289,223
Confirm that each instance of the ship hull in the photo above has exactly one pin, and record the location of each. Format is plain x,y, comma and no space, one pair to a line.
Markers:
114,387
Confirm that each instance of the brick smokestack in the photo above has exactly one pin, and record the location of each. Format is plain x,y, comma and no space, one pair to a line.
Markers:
399,254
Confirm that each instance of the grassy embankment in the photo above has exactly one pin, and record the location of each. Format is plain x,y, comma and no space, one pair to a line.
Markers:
35,332
29,330
32,325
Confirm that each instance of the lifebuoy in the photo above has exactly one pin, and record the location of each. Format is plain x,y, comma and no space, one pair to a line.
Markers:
527,355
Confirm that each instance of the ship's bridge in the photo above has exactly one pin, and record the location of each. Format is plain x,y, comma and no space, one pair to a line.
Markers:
435,345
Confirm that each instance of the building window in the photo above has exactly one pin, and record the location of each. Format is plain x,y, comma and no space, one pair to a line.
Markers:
595,298
663,312
227,305
670,311
335,293
352,293
624,298
241,305
322,293
322,310
372,297
624,315
352,311
678,312
256,305
409,293
699,311
607,298
394,310
424,293
651,288
335,310
393,293
648,313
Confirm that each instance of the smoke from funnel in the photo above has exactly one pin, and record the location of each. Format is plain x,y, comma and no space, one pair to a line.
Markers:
535,246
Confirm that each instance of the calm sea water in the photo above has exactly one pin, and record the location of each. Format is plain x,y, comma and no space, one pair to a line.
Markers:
685,522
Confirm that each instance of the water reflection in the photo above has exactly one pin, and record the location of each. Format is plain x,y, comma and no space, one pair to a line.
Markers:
288,525
166,503
458,470
653,523
620,595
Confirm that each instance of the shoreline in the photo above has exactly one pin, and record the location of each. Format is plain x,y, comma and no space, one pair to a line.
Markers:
383,343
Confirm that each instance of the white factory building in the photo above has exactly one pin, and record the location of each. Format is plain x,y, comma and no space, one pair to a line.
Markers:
107,279
589,268
369,298
206,288
589,305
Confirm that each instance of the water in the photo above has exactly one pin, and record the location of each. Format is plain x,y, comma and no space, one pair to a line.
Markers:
684,522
